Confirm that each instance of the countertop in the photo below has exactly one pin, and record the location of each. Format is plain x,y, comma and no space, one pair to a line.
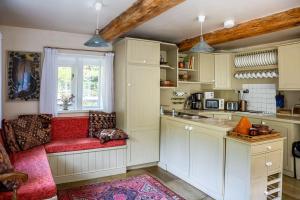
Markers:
210,123
281,118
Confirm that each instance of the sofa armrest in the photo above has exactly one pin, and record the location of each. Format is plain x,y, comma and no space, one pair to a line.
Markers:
14,176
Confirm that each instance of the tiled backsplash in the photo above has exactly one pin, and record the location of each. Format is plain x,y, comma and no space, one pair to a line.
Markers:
261,97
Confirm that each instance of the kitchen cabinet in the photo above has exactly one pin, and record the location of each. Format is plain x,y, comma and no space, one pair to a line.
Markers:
253,170
137,89
194,153
177,148
205,65
288,64
291,133
143,52
223,66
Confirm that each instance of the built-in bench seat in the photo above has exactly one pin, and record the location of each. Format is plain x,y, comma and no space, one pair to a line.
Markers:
72,156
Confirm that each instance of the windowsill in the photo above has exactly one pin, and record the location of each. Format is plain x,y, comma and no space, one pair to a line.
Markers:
75,111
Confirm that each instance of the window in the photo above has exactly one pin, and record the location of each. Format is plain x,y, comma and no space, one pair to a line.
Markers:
79,76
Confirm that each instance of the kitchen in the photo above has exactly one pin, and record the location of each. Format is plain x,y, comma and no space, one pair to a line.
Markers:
165,99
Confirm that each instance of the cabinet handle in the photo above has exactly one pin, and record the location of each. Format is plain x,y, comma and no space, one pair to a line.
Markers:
266,193
186,127
269,164
129,84
144,61
263,123
269,147
190,128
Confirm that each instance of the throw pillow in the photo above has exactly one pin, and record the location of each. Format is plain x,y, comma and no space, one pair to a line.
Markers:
101,120
32,130
106,135
6,167
9,136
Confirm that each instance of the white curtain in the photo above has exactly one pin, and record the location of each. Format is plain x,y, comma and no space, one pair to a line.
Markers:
48,93
1,69
107,86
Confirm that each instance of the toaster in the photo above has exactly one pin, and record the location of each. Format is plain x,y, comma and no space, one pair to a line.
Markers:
232,105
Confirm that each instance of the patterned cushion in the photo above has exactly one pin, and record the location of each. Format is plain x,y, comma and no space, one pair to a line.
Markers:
9,136
101,120
5,167
32,130
106,135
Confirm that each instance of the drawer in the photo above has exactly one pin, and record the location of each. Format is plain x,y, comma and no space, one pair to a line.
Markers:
274,162
267,147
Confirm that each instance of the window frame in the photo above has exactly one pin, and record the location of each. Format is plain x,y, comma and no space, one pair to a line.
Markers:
77,86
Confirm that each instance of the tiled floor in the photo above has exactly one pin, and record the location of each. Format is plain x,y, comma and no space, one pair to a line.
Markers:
291,187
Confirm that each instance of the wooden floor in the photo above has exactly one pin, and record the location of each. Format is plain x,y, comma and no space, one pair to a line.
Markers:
291,187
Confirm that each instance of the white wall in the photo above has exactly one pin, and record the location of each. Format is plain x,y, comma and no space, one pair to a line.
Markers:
25,39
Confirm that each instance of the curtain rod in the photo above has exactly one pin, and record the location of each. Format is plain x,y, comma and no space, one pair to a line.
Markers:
80,49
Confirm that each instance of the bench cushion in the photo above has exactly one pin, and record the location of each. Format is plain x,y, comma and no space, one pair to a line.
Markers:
40,184
69,127
78,144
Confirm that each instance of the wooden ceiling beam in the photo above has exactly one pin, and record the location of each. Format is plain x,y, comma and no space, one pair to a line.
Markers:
268,24
140,12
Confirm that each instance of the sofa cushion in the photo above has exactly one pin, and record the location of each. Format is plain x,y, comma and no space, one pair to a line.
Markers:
9,136
40,184
69,128
78,144
101,120
106,135
32,130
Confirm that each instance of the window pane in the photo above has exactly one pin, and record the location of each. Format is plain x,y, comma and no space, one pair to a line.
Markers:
91,93
64,83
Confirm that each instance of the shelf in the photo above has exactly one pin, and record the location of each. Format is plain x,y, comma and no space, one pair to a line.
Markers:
268,67
189,82
167,87
190,70
166,67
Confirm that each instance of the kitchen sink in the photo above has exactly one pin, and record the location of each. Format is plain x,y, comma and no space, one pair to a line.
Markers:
186,116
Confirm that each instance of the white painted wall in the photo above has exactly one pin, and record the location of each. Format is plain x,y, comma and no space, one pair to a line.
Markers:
26,39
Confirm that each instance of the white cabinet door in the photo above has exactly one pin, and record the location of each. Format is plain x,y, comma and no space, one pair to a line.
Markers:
143,52
177,148
288,64
223,64
143,92
206,159
207,68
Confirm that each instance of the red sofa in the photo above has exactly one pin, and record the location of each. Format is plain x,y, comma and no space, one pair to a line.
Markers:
68,134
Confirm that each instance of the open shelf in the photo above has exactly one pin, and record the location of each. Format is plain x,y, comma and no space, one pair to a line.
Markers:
166,67
186,69
189,82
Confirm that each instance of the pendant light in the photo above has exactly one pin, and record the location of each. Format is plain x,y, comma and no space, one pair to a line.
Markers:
202,46
97,40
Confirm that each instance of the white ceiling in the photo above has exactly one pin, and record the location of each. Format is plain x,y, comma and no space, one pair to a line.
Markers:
176,24
76,16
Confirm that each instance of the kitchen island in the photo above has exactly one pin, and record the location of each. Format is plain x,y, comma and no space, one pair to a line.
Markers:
194,150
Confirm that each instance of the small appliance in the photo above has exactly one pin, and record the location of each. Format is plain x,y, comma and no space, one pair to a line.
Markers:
209,95
214,104
243,105
196,101
232,105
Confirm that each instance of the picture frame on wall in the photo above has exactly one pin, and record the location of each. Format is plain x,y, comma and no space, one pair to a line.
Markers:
23,76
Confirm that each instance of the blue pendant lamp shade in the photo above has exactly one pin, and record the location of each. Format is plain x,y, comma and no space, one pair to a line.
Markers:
96,41
202,46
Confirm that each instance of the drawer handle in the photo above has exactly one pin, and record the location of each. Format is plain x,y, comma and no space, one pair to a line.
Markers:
186,127
269,164
144,61
190,128
269,147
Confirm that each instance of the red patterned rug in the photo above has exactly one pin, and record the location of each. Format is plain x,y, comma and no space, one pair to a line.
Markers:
142,187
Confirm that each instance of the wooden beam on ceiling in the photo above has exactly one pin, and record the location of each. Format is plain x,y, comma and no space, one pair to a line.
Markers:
140,12
268,24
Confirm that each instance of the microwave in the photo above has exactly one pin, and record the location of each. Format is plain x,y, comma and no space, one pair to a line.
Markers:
214,104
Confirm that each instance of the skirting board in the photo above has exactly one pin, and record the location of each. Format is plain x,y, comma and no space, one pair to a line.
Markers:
142,166
87,164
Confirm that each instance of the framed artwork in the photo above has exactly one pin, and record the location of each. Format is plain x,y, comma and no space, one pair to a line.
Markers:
24,75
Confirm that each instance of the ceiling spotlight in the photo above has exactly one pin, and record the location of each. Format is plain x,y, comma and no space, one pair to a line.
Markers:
229,23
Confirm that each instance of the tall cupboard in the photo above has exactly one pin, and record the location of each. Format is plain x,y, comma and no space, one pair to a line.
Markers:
137,97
